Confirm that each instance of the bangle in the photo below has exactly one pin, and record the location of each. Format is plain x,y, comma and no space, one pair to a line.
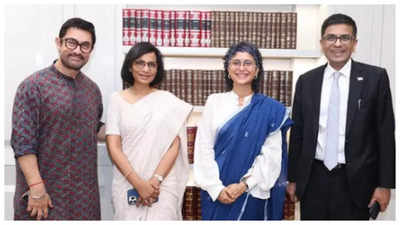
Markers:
34,184
37,197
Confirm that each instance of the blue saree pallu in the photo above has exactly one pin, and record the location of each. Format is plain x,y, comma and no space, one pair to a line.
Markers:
237,145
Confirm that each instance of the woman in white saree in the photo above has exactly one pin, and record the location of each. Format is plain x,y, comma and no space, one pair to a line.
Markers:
146,140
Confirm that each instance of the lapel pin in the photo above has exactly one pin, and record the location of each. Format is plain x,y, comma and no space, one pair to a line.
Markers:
360,78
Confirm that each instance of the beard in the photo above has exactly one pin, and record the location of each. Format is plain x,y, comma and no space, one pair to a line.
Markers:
70,64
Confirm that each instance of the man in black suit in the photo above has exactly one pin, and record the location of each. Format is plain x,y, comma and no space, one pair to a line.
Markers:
342,147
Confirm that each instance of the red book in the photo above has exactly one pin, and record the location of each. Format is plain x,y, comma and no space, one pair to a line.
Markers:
187,29
159,28
173,28
166,28
180,34
153,26
145,15
125,26
194,28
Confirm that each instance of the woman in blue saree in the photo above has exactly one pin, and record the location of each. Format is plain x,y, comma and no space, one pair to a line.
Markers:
240,157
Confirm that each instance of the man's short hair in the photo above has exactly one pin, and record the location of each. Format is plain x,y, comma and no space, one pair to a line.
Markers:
339,19
80,24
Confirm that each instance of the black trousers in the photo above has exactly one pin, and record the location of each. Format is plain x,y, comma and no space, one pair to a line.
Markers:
327,196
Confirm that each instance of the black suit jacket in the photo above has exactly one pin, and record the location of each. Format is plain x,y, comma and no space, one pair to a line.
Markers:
369,140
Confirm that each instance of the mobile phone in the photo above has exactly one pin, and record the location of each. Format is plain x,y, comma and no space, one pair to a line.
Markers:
133,196
374,210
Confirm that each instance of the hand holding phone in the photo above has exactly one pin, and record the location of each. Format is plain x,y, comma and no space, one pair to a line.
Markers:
133,196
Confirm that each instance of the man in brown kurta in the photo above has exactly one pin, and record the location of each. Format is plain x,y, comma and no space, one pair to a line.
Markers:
55,120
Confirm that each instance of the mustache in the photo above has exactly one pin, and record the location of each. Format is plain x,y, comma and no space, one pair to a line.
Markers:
76,55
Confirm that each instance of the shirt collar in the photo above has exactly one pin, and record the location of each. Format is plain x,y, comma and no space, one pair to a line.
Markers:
344,71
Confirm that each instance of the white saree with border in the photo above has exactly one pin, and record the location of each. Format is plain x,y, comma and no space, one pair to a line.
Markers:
147,129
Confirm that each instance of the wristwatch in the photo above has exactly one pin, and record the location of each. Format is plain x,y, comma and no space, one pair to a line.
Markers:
244,180
159,178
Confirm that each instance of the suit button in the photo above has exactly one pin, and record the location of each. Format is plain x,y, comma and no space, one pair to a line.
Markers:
346,141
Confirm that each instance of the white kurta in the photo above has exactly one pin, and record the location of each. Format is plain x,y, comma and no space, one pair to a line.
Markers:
265,170
147,129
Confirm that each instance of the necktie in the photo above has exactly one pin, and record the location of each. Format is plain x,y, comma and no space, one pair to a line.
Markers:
332,134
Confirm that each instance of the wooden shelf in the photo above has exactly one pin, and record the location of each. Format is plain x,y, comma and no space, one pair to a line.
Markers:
220,52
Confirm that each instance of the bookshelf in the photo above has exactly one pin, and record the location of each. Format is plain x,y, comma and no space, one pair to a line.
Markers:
220,52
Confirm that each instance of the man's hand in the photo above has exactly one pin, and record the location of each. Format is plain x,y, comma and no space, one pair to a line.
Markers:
39,207
291,190
382,196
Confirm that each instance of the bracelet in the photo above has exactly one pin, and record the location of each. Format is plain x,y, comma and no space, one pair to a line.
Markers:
37,197
34,184
159,178
244,180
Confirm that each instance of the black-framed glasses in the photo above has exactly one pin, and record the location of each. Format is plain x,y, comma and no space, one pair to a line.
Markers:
248,64
72,44
345,38
141,64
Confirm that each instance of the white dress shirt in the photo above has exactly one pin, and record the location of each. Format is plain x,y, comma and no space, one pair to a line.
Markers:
344,84
266,168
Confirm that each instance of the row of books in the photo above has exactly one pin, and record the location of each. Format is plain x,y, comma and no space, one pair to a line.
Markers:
170,28
219,29
194,86
272,30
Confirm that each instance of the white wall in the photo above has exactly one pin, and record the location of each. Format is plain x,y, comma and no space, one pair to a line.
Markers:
30,31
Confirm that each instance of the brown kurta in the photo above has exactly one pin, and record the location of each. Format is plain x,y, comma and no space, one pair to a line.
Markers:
56,118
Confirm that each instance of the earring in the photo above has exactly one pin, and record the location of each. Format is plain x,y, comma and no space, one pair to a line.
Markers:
229,76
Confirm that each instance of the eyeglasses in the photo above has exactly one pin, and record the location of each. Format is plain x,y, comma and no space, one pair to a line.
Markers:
331,38
72,44
141,64
248,64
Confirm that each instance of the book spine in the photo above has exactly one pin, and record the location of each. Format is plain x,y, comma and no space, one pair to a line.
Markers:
259,28
282,87
214,32
187,29
126,33
145,25
289,87
194,29
289,31
283,30
222,30
159,30
294,31
166,28
173,28
153,27
278,30
202,28
275,84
